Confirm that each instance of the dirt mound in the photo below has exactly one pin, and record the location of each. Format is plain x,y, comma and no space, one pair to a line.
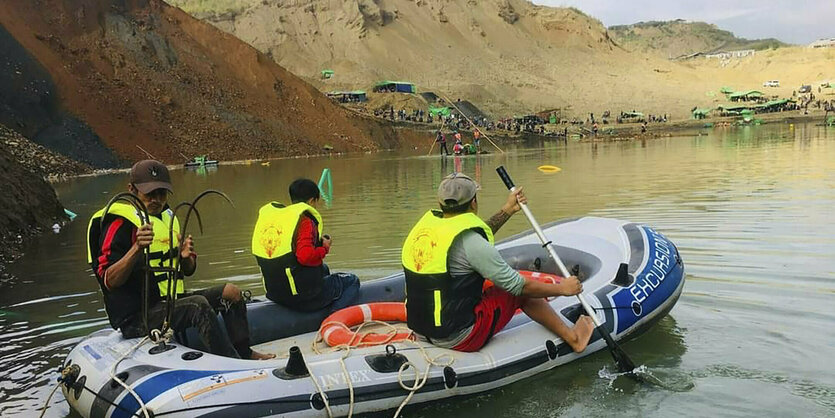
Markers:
28,206
142,73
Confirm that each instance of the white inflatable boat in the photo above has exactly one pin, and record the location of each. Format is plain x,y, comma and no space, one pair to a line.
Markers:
181,380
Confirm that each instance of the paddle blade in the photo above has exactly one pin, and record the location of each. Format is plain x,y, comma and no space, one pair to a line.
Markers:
625,364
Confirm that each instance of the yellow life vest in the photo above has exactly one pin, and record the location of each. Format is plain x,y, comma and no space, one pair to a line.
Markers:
160,250
438,303
273,245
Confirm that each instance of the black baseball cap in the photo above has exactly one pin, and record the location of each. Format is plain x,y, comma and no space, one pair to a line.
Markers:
150,175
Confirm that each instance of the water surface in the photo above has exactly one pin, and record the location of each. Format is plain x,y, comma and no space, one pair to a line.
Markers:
749,208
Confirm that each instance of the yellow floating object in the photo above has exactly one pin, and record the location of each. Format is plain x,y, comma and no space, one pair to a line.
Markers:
265,163
549,168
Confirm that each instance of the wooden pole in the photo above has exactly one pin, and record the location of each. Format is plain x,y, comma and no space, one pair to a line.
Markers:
146,153
471,123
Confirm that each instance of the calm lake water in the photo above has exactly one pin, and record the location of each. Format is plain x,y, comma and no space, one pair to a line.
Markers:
751,210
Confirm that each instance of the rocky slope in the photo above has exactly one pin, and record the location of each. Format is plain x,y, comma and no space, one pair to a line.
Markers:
140,73
677,38
37,159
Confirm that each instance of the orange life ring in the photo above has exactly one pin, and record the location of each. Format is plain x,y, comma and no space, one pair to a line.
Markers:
336,329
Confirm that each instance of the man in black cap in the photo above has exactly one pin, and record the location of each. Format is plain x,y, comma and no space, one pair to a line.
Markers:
446,257
115,252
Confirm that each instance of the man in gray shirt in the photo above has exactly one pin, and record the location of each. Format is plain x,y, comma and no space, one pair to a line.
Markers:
446,258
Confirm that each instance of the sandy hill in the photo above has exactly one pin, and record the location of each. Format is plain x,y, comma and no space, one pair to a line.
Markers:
140,72
506,56
677,38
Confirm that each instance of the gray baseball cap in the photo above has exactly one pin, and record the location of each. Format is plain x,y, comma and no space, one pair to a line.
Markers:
456,189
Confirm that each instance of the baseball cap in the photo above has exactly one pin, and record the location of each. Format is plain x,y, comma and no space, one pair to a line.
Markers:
149,175
456,187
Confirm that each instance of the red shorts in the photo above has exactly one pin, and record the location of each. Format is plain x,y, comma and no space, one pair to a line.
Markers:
492,314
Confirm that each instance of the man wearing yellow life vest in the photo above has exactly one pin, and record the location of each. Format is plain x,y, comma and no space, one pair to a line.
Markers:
115,252
446,257
290,249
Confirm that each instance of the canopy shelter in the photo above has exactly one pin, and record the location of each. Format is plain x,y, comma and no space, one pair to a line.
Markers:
733,110
774,104
327,74
394,86
745,95
701,113
726,90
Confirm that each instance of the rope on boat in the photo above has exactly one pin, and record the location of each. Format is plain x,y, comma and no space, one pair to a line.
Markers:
125,385
48,398
356,341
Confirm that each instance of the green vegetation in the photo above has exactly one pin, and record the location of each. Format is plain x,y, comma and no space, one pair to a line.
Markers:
676,38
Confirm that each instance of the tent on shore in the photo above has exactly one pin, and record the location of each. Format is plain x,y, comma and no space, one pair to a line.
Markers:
726,90
394,86
439,111
327,74
746,95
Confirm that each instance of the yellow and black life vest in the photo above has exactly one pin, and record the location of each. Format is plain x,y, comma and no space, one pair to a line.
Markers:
274,247
439,303
161,252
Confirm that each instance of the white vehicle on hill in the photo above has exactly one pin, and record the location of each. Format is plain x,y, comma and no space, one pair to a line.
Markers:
772,83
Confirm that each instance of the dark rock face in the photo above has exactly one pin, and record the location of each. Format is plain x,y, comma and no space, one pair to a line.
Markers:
30,105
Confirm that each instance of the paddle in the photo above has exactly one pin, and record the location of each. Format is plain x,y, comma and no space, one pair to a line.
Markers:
624,363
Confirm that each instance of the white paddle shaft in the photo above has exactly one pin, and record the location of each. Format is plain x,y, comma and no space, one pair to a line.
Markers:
563,270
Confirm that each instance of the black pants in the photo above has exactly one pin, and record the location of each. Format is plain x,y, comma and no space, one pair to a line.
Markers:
199,309
443,148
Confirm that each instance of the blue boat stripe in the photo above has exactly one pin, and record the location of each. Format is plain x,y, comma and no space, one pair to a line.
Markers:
156,385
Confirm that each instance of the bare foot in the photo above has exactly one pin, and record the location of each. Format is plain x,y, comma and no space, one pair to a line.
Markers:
261,356
582,333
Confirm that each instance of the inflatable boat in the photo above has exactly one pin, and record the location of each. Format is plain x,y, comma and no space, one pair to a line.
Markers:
181,380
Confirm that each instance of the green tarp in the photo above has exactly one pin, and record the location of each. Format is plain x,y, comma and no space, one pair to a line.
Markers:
732,108
726,90
327,73
633,115
435,111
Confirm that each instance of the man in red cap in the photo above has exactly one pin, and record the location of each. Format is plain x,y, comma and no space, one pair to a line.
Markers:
115,252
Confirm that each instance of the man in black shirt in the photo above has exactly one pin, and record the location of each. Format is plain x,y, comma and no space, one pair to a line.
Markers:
116,254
